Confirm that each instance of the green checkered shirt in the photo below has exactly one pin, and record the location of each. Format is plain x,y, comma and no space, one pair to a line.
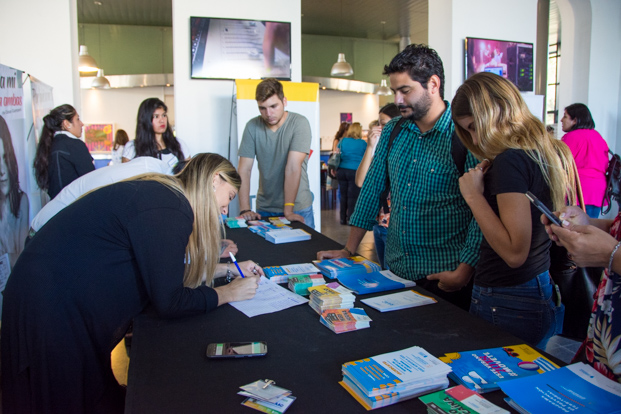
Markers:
431,227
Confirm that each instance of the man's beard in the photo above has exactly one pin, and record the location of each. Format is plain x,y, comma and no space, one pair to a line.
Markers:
419,109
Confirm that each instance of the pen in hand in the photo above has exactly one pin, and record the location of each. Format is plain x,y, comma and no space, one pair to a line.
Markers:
236,265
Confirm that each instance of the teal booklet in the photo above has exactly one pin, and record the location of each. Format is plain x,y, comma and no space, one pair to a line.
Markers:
335,268
576,388
363,283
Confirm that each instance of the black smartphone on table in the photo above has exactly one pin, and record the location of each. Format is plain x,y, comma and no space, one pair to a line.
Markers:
537,203
236,349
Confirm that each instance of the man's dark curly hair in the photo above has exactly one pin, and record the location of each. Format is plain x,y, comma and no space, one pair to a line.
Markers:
420,62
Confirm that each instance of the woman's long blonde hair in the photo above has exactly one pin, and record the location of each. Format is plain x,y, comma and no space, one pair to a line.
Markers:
503,121
354,131
195,182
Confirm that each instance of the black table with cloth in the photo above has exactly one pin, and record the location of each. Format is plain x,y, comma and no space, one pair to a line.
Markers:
169,371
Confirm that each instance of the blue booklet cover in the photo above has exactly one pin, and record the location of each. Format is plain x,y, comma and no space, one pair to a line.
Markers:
335,268
576,388
363,283
483,369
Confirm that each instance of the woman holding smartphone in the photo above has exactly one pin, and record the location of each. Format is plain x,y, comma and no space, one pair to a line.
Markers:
512,286
152,240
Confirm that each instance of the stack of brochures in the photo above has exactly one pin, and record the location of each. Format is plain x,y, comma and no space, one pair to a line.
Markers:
459,400
279,221
286,235
576,388
261,227
398,301
482,370
300,284
396,376
266,397
345,320
334,268
281,274
363,283
235,222
330,296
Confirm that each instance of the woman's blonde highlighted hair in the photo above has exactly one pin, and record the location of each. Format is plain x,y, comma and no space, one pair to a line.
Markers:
503,121
195,182
354,131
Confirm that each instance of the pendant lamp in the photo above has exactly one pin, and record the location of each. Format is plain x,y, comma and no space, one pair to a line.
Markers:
341,67
86,62
100,82
383,88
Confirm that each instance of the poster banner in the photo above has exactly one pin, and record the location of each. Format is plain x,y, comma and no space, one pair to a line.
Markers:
14,205
41,100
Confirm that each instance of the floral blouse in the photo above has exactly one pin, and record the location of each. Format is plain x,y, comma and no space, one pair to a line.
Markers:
602,347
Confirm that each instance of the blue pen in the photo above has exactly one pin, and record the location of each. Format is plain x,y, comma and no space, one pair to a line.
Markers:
236,265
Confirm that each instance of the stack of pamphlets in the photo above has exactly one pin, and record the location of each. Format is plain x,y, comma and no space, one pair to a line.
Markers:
334,268
576,388
300,284
281,274
261,227
266,397
345,320
363,283
460,400
279,221
396,376
235,222
330,296
397,301
287,235
482,370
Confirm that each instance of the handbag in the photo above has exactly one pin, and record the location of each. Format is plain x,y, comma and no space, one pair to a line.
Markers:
577,285
613,183
334,161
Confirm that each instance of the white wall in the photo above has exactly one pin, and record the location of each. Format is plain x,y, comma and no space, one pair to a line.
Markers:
203,107
451,21
364,109
118,106
40,38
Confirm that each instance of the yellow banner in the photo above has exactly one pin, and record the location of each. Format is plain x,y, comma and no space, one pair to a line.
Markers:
294,91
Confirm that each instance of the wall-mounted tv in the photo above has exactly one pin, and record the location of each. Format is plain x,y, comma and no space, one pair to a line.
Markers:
239,49
511,60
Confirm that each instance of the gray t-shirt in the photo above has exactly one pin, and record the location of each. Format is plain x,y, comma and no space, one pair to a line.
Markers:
271,150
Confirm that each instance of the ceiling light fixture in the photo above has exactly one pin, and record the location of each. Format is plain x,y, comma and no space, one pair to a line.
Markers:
383,88
341,67
86,62
100,82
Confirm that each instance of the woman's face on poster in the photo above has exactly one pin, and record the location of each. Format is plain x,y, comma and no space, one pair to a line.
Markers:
5,184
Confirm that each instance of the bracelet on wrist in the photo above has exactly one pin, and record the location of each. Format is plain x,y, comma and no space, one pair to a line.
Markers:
289,204
349,253
229,275
244,211
612,256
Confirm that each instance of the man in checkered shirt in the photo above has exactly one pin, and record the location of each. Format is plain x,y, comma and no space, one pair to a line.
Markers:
432,237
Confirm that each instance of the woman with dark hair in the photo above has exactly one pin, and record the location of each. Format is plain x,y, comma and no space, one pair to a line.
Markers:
120,139
339,134
590,151
14,205
152,240
512,286
352,148
154,136
61,156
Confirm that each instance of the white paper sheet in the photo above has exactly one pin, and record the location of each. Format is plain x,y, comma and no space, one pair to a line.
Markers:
270,298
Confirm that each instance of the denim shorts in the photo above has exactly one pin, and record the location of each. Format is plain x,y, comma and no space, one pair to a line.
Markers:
528,311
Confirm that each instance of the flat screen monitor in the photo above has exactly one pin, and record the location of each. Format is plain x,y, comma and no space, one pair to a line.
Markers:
511,60
239,49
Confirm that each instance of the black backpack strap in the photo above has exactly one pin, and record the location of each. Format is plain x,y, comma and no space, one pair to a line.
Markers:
393,134
459,152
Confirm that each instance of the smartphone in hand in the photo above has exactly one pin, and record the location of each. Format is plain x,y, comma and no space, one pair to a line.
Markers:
537,203
236,349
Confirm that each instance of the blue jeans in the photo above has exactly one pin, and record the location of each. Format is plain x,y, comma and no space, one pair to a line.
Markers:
527,311
306,213
379,235
592,211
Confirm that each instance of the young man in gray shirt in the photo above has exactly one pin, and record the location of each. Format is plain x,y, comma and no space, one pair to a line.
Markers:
280,141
